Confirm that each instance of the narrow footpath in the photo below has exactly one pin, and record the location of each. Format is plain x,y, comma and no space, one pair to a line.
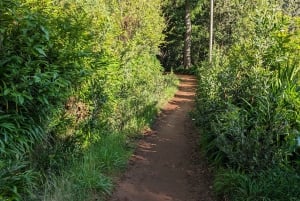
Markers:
166,165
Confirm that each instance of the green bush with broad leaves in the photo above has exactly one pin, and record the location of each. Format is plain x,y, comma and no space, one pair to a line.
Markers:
71,74
248,104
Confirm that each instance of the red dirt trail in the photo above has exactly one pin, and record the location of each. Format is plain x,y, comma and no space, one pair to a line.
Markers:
166,165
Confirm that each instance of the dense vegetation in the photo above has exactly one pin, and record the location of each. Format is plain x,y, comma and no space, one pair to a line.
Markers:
248,101
172,51
77,78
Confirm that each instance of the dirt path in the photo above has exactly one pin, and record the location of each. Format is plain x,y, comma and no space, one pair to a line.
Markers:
166,166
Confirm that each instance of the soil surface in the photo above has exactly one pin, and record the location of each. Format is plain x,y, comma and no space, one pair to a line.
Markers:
167,165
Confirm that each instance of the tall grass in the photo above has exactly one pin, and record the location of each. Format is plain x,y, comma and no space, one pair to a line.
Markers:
274,184
90,175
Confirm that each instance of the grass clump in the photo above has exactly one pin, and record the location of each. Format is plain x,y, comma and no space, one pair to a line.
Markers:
270,185
92,175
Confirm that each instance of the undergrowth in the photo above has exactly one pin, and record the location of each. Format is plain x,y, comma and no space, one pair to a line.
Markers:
91,175
77,78
248,104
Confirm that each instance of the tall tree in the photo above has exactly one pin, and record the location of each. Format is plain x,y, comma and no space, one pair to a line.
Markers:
187,37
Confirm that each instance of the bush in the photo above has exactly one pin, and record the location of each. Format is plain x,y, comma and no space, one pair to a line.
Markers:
248,102
71,72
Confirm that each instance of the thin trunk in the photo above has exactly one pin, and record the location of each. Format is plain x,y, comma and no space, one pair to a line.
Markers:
187,37
211,29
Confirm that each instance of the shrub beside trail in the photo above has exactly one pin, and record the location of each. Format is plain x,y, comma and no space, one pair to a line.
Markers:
248,104
77,77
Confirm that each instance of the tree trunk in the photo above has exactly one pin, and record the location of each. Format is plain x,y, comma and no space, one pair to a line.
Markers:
187,37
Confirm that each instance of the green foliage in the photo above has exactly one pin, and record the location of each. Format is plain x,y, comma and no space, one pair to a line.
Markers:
274,184
90,174
71,72
14,174
171,55
186,71
248,103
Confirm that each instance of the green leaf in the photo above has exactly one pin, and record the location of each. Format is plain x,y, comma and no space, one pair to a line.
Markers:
8,126
6,91
45,32
21,99
40,51
37,79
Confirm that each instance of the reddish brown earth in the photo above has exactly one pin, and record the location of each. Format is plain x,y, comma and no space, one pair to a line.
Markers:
166,165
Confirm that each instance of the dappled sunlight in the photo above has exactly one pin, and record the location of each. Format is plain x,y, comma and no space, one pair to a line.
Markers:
185,93
160,169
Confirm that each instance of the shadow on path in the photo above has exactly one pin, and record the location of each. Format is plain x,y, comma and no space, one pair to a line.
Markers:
166,167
